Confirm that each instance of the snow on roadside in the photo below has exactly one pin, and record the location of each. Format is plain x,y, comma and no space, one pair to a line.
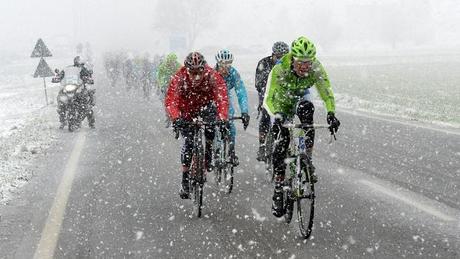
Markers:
25,143
27,125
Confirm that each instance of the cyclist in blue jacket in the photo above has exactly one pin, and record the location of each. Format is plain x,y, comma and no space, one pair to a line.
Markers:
233,80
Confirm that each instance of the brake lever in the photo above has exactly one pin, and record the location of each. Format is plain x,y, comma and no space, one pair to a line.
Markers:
177,134
332,135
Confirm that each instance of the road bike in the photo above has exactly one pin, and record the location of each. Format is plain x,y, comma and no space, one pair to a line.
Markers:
224,162
197,167
299,186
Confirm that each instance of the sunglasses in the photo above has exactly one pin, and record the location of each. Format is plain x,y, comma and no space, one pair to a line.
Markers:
224,64
197,70
303,61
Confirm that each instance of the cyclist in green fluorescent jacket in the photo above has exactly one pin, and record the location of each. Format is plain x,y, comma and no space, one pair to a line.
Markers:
166,69
286,95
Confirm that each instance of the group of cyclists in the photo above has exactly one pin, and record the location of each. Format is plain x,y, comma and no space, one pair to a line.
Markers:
136,72
282,80
195,89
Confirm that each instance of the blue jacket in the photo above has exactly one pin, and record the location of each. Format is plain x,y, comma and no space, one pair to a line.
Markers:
233,81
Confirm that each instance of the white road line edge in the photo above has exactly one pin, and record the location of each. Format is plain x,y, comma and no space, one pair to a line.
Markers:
50,233
399,196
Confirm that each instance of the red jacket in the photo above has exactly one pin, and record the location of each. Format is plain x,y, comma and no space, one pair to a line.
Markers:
184,99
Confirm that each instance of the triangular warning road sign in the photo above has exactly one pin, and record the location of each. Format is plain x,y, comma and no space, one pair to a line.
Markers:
40,50
43,70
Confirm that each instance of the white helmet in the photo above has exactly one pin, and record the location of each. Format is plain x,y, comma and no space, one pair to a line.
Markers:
224,56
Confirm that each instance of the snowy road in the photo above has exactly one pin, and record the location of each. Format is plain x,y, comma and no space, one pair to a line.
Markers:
386,189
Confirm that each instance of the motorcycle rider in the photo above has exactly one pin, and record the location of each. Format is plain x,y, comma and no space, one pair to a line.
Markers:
285,97
224,59
196,90
263,69
166,70
86,77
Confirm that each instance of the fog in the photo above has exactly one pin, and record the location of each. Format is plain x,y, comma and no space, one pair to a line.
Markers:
336,26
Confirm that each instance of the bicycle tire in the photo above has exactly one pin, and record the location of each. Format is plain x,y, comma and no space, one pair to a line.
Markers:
288,206
198,199
229,179
306,209
270,175
218,176
218,167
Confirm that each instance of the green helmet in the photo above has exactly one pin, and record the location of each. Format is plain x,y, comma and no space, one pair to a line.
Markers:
171,57
303,48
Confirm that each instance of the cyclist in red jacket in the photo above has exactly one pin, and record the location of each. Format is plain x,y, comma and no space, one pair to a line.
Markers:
196,90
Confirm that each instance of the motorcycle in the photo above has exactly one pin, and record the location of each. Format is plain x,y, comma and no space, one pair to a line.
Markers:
74,98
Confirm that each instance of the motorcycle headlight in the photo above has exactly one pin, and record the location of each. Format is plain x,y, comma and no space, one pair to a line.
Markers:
70,88
63,98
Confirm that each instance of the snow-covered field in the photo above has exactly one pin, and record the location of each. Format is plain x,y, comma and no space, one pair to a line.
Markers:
425,89
418,89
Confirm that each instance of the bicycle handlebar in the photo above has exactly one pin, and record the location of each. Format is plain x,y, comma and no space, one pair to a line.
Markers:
200,123
311,126
306,126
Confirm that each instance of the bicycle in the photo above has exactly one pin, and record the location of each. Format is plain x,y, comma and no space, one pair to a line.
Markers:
224,164
197,168
299,189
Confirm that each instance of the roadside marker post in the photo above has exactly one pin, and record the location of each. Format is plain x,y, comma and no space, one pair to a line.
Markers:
43,70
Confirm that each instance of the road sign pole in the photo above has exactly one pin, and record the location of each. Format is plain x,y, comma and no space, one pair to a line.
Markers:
46,94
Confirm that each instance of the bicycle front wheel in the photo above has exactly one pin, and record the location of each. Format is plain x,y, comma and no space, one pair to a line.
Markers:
218,176
305,211
229,178
198,199
269,157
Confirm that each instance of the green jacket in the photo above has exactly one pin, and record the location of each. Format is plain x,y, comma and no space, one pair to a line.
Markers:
285,89
167,68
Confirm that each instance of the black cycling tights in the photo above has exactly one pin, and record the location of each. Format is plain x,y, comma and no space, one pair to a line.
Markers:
305,111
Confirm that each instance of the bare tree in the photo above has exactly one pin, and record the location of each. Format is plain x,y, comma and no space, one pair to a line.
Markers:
189,17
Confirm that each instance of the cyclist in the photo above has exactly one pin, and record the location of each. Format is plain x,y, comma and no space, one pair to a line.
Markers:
224,59
287,85
196,90
167,68
263,69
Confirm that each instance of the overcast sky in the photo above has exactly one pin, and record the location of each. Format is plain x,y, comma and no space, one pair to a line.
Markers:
334,25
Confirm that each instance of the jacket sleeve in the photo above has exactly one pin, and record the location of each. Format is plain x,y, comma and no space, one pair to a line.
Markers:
173,98
259,76
241,93
270,92
323,86
220,96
